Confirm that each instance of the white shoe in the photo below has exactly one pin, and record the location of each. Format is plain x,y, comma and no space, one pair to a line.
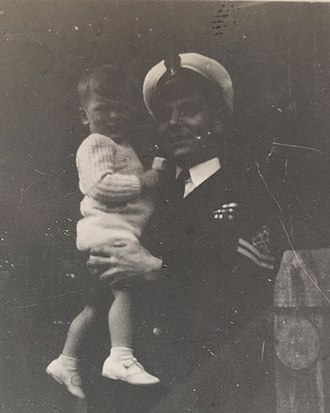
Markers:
129,370
68,376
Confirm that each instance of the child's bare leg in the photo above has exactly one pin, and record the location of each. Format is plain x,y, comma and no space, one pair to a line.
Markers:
121,364
64,369
79,328
120,319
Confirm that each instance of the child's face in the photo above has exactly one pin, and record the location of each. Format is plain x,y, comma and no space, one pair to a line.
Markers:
109,117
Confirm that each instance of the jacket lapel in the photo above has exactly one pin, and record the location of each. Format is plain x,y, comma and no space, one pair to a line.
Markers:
214,189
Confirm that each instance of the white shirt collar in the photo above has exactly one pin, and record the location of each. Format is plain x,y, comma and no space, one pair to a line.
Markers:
200,173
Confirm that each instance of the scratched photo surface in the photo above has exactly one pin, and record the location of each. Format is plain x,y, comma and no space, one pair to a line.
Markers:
278,57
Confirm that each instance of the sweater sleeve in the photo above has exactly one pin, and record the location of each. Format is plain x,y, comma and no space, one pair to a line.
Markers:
97,178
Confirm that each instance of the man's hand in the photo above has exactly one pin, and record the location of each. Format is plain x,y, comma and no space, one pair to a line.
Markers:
124,262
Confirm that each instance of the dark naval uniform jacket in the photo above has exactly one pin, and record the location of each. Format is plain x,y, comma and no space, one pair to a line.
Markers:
217,291
219,260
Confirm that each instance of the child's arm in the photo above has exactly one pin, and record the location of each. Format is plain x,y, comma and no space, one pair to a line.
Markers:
97,178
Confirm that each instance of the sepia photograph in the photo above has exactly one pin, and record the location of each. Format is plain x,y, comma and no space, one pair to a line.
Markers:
164,206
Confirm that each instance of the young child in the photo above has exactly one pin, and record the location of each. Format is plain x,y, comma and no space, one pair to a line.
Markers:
117,205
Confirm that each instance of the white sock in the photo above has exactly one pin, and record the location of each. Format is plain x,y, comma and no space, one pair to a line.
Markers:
121,353
68,361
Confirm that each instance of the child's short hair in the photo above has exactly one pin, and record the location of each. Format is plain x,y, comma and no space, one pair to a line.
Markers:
107,80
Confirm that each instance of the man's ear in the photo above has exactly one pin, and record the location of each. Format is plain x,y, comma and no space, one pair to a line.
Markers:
83,117
219,126
221,120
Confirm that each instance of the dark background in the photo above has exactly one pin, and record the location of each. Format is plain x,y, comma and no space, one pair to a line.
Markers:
278,55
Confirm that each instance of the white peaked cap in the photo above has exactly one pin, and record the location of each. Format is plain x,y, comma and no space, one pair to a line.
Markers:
209,68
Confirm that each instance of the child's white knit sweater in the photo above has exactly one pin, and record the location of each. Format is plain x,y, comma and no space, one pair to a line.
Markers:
113,205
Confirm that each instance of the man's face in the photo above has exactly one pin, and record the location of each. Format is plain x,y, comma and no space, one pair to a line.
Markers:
109,117
189,127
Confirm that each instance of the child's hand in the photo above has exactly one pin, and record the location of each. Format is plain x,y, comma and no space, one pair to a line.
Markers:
156,176
160,164
150,180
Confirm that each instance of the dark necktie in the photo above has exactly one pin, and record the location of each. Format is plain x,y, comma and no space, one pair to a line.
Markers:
180,183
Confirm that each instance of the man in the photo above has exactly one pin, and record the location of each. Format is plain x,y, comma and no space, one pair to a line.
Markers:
213,233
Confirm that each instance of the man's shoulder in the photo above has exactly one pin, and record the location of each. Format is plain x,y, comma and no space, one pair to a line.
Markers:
253,189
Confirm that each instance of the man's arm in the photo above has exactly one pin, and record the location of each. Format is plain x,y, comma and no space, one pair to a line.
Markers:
124,260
